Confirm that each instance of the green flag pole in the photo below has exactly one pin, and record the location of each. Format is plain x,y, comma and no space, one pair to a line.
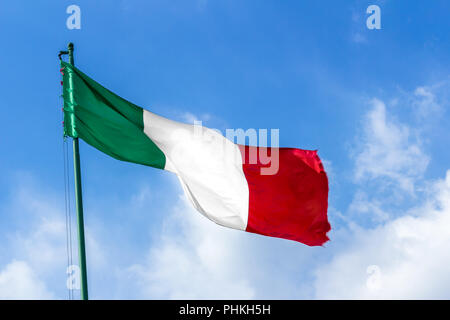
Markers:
79,205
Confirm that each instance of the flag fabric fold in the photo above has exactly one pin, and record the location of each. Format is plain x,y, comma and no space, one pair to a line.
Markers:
224,181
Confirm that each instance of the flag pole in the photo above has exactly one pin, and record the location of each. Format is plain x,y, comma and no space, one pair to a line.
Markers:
79,204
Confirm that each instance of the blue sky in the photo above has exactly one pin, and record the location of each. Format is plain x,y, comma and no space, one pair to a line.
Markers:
373,102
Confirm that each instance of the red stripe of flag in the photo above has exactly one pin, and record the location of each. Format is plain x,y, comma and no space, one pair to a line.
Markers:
292,203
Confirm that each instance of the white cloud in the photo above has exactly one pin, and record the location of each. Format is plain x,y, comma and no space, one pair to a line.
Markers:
35,251
390,151
19,281
40,238
193,259
411,253
44,245
425,103
191,118
405,257
362,204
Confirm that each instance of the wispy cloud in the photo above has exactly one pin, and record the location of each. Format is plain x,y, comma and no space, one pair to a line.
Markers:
389,150
191,118
18,280
358,37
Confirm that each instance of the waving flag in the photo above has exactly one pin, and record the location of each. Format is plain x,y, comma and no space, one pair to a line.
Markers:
230,184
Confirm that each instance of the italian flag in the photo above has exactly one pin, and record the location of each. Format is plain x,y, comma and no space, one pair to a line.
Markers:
233,185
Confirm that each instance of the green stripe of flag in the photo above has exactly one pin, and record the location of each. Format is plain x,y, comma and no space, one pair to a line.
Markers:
106,121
